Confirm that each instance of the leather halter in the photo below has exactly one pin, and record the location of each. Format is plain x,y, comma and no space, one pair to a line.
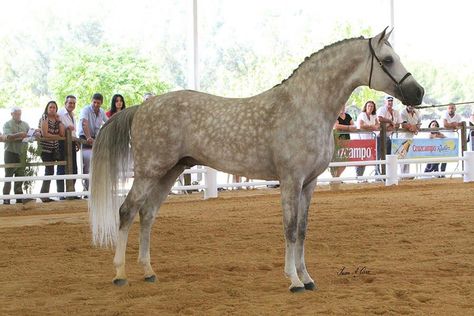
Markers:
397,83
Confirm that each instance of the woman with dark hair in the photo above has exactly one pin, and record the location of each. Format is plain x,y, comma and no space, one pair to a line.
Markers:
434,167
367,120
117,105
50,126
344,123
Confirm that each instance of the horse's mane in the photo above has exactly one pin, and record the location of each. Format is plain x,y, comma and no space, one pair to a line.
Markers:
318,52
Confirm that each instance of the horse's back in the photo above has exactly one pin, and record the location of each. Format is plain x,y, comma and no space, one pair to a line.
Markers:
229,134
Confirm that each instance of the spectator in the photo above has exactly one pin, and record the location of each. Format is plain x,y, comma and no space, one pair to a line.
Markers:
392,119
148,95
237,179
451,120
91,119
66,115
344,123
367,121
411,122
15,152
434,167
117,105
50,126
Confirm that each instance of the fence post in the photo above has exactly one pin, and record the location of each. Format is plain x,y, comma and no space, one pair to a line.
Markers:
463,137
469,166
392,175
383,146
69,153
211,183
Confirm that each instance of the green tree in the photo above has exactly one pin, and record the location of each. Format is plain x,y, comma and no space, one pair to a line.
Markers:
83,71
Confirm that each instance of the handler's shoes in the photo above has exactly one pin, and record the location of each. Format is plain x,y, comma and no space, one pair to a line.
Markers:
24,201
47,200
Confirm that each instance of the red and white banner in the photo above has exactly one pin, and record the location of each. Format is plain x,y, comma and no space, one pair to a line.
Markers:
356,150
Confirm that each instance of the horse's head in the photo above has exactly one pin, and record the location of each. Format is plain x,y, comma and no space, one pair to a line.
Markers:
388,74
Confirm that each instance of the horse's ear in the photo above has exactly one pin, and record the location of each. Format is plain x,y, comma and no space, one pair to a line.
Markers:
387,36
382,36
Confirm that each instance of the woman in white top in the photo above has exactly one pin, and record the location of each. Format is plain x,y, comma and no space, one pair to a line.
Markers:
367,120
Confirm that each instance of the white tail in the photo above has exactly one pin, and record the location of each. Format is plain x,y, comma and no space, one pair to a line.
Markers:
110,163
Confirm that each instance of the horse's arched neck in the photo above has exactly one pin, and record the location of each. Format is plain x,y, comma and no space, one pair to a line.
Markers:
330,75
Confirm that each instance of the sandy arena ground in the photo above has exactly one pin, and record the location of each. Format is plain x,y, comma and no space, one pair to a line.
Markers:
402,250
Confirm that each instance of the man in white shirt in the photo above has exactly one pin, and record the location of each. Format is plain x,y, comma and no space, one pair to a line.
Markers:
66,116
452,120
392,119
411,123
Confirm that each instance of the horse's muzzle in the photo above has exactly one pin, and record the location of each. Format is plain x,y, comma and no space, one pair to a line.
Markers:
412,93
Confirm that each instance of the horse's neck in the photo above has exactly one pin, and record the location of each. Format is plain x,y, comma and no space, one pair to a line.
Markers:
325,81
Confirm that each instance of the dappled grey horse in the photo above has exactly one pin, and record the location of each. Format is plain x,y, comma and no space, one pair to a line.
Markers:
282,134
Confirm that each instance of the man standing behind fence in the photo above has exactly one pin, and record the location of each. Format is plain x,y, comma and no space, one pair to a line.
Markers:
66,115
91,119
15,130
411,122
388,115
451,120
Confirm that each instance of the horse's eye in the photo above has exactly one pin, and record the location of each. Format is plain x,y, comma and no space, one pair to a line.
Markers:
388,60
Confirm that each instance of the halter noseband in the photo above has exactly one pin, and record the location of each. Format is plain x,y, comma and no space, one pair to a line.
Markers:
397,83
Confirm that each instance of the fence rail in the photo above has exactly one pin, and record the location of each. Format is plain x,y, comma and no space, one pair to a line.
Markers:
211,187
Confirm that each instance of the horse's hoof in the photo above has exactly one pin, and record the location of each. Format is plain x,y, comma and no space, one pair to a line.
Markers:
150,279
310,286
120,282
297,289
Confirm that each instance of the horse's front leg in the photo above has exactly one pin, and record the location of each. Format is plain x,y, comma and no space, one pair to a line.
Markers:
305,201
158,194
147,217
290,199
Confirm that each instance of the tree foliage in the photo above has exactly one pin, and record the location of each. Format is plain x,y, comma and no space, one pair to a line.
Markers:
83,71
49,55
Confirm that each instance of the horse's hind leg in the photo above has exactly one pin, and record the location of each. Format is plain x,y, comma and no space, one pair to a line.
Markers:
306,195
128,211
153,201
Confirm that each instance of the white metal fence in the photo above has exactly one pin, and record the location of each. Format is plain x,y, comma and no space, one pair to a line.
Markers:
211,187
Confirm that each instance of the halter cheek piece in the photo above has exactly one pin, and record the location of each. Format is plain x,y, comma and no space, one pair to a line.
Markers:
397,83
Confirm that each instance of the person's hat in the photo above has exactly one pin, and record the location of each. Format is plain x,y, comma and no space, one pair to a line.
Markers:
14,109
389,97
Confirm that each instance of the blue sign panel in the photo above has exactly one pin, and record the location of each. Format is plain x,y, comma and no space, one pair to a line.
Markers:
422,148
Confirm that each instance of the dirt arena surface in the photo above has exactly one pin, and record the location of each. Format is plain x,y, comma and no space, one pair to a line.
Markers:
371,249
